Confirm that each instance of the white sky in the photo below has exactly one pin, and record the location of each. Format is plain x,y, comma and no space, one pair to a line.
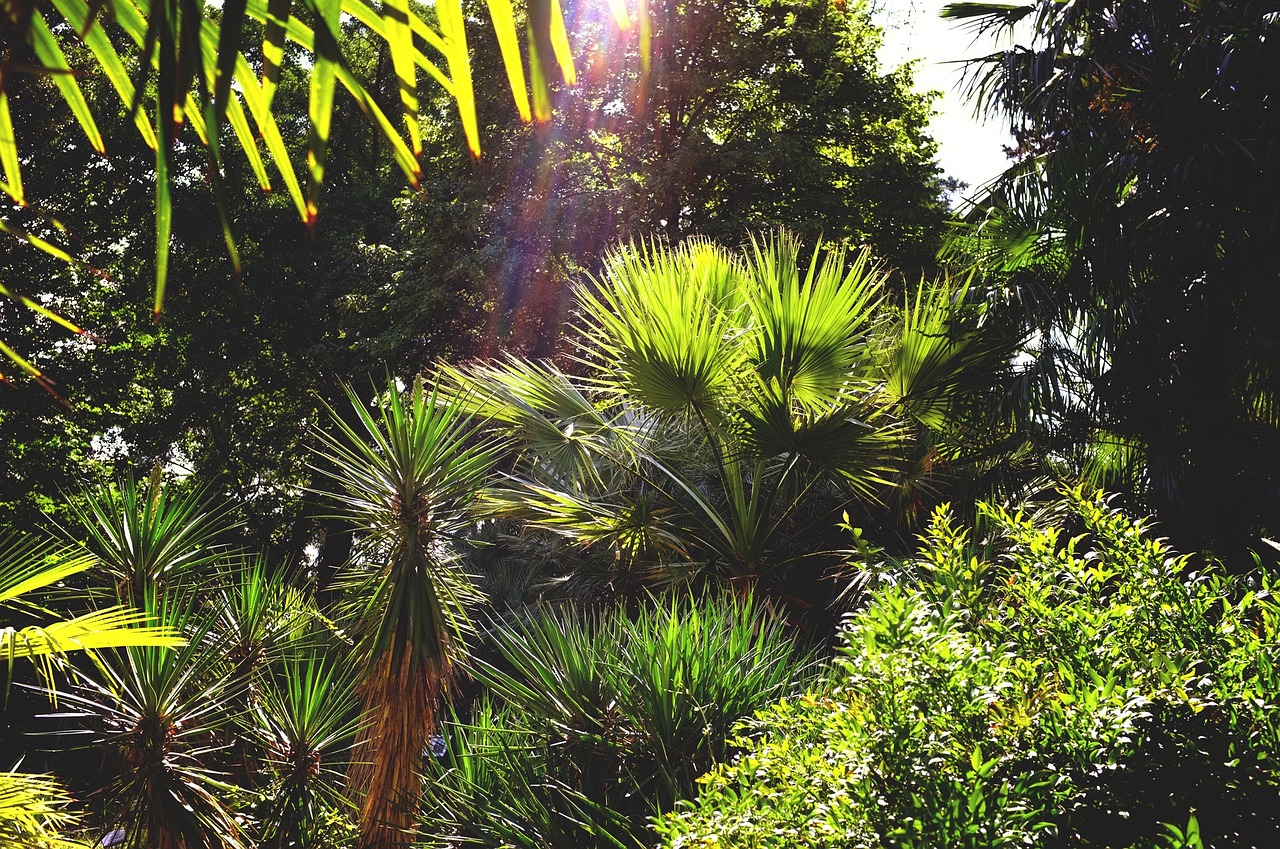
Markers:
969,149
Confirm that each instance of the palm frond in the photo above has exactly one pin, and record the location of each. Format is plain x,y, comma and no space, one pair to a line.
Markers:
663,324
201,72
810,327
35,812
28,565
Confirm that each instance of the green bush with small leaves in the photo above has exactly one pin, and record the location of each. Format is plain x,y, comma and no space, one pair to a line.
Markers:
1064,679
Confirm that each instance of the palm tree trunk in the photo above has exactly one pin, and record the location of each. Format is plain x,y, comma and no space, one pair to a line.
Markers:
400,699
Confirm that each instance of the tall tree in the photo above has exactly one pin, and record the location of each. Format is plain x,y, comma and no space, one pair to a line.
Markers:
1141,223
747,116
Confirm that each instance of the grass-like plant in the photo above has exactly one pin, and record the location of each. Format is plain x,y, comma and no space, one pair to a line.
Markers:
594,722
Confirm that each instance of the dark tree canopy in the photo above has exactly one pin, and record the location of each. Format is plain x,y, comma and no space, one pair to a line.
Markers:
1142,225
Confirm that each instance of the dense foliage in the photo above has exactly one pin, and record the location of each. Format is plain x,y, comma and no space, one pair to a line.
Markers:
592,723
1057,678
570,592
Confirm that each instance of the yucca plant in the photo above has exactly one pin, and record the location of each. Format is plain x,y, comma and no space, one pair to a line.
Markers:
257,611
406,474
306,721
161,717
146,537
35,809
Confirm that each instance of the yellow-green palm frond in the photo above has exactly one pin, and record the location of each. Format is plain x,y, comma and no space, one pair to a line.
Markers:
35,812
28,565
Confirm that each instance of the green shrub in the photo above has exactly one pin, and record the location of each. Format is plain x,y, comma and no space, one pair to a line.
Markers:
1084,690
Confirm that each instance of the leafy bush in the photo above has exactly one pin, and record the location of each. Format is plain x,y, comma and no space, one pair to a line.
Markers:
593,723
1086,690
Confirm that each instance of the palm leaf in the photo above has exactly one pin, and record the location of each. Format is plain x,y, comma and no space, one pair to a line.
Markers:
9,152
810,330
28,565
51,56
666,321
171,34
34,812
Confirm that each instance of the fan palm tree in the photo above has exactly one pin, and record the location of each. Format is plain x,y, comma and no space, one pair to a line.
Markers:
729,404
406,475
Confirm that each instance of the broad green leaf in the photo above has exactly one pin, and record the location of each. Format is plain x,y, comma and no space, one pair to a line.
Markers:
320,100
365,14
192,116
646,44
260,108
164,210
560,44
538,34
36,242
39,308
51,56
620,16
408,164
22,363
233,15
248,142
219,193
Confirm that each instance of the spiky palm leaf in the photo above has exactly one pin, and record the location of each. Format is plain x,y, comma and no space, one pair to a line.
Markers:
307,721
34,812
34,808
28,565
407,474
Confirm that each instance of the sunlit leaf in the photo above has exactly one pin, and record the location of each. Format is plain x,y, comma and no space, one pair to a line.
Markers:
78,13
9,153
273,46
395,14
453,28
51,55
504,27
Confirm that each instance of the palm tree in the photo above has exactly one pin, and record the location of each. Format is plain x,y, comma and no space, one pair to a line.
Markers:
406,475
1137,233
729,405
